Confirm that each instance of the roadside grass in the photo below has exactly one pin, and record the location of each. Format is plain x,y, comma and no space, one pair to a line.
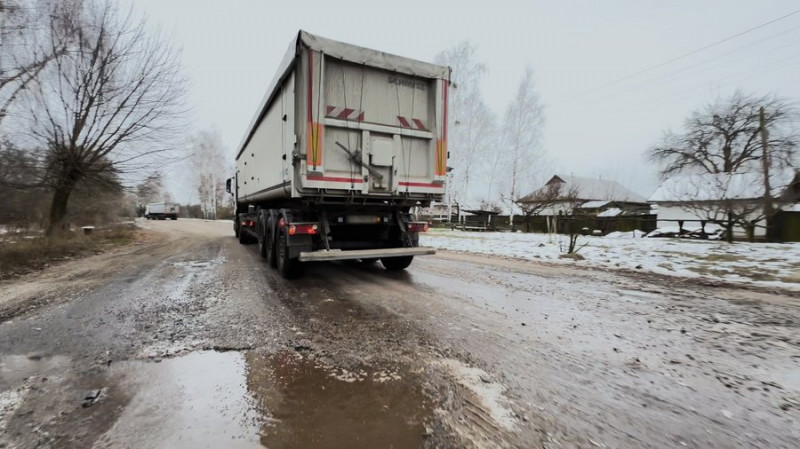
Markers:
21,254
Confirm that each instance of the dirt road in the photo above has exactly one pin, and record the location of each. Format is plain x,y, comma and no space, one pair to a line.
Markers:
186,339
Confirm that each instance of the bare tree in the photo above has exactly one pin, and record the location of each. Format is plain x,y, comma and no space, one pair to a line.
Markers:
725,137
472,124
210,161
729,137
150,190
552,196
30,39
520,149
106,105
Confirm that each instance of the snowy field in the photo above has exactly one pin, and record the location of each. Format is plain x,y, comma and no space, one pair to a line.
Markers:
776,265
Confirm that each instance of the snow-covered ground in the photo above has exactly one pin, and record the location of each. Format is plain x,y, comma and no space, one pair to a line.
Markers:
755,263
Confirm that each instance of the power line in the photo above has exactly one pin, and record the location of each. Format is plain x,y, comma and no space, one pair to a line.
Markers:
688,72
747,75
686,55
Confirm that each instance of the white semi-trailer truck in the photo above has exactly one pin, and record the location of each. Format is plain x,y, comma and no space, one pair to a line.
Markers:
346,142
162,211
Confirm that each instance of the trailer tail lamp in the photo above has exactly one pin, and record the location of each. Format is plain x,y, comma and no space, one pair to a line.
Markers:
418,227
251,223
310,229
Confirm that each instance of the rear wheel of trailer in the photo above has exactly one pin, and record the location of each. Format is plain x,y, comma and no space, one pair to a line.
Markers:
396,263
288,267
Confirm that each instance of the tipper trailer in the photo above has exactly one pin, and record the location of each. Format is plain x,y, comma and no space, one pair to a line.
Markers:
346,142
162,211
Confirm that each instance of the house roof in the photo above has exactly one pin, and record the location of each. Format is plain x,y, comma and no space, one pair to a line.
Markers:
596,189
723,186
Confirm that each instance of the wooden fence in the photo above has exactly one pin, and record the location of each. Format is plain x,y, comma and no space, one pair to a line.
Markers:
563,224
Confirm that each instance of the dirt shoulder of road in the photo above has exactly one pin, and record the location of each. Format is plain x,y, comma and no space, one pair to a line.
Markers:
763,293
22,254
62,278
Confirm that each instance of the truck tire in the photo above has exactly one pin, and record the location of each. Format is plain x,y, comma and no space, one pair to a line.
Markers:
396,263
244,239
287,267
269,247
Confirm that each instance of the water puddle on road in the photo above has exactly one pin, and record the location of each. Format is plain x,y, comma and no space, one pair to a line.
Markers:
313,406
256,399
197,400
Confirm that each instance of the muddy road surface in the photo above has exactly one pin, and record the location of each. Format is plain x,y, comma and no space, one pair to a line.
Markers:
186,339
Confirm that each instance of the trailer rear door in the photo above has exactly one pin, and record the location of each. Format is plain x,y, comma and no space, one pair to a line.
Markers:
372,130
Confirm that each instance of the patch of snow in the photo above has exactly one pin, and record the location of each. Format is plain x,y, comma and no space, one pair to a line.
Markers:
10,400
769,264
635,234
490,394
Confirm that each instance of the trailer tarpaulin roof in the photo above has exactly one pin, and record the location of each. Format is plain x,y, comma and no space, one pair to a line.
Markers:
343,51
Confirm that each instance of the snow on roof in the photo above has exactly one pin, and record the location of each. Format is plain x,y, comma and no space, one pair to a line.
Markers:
594,204
721,186
598,189
791,208
613,212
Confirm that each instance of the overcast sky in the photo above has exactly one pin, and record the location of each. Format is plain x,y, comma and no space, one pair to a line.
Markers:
601,112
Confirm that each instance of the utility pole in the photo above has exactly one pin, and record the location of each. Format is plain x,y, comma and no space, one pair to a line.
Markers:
768,209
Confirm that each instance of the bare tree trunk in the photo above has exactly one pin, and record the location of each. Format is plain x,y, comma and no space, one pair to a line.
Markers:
750,228
729,228
58,207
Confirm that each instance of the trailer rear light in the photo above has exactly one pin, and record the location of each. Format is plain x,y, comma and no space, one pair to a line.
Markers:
417,227
251,223
310,229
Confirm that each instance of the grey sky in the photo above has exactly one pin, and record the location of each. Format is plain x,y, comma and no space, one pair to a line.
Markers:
232,48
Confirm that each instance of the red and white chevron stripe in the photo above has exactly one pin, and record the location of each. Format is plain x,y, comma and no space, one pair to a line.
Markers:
413,123
344,113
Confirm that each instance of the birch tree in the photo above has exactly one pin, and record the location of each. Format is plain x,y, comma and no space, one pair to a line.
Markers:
210,161
520,149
